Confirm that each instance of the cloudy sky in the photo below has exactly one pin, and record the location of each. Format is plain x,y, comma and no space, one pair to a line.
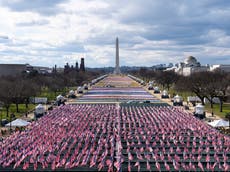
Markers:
48,32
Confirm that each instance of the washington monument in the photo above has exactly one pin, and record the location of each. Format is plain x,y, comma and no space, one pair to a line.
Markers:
117,67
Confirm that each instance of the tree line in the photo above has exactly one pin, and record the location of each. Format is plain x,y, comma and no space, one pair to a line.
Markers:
19,89
202,84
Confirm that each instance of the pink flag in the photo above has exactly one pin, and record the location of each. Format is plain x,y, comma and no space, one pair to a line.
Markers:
117,165
226,166
199,157
148,167
175,165
200,166
167,166
137,164
208,166
109,162
207,158
130,156
129,167
158,166
213,167
35,165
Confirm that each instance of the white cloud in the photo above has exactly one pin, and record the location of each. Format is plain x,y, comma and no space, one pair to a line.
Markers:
150,32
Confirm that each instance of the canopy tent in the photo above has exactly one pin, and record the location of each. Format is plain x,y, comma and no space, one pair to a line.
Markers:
219,123
177,98
165,92
39,109
18,123
60,98
199,109
71,92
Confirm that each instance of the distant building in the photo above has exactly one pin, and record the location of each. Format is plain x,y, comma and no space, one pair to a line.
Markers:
42,70
221,67
82,65
16,69
76,66
13,69
189,66
68,68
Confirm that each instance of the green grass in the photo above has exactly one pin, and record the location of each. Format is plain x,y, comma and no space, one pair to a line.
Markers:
22,110
183,94
216,109
50,95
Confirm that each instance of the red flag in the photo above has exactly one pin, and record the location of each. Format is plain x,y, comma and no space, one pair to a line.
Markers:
158,166
208,166
130,156
35,165
199,157
53,166
117,165
175,165
137,164
148,167
129,167
26,165
226,167
167,166
109,162
201,166
213,167
207,158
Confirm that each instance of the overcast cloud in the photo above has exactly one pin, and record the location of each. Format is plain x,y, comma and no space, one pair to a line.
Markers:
49,32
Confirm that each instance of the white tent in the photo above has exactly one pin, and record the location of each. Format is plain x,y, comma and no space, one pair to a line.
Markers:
71,92
18,123
39,109
177,98
165,93
60,98
199,109
219,123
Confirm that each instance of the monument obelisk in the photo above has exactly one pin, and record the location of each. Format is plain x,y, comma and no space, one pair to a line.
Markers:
117,67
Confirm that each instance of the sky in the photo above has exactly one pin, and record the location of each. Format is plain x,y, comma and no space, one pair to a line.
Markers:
150,32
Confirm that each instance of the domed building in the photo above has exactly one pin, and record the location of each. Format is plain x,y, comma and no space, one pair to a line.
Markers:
191,61
189,66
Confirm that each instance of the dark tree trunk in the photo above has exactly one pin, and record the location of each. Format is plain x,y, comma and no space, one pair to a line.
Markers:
17,109
7,111
221,105
201,99
211,103
27,102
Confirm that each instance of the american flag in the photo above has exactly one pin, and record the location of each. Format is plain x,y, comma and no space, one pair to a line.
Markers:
158,166
200,165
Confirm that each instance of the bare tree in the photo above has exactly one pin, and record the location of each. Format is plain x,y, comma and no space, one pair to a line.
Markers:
6,94
222,85
194,83
166,79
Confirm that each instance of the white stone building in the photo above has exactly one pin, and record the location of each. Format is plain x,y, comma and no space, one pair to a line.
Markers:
222,67
190,66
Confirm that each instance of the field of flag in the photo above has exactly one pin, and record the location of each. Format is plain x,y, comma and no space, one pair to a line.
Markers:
112,138
117,94
116,136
